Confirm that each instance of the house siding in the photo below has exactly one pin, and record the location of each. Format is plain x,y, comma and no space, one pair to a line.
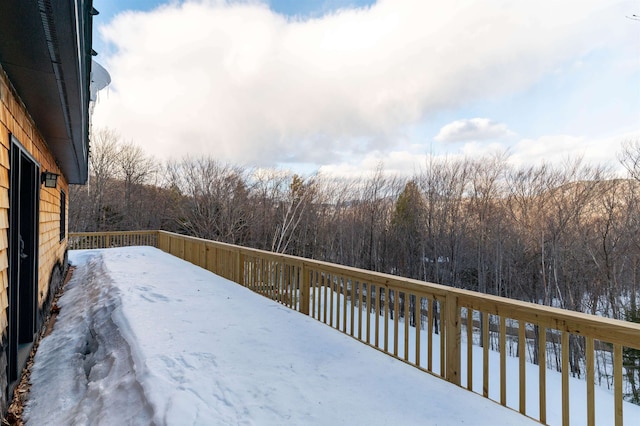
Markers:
15,120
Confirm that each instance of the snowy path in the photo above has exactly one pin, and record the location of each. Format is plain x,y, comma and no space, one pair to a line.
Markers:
146,338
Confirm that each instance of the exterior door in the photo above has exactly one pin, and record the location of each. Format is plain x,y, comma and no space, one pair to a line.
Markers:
23,256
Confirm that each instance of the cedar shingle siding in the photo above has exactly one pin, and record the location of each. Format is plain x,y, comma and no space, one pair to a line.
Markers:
45,61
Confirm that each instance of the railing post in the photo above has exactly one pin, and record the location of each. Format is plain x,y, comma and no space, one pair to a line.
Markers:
239,268
452,339
203,254
304,290
162,241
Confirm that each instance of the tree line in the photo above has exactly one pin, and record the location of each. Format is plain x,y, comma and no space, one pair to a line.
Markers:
555,235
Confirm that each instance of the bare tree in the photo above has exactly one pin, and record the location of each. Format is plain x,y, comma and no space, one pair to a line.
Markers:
292,206
443,183
484,196
525,206
102,172
134,169
630,157
210,199
374,212
266,187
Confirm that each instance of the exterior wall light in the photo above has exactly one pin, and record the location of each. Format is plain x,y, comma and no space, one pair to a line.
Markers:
49,179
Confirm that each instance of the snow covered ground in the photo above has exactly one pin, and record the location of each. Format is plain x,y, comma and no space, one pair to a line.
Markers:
146,338
603,394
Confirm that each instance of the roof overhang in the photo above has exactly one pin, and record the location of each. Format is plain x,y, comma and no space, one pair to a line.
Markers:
45,49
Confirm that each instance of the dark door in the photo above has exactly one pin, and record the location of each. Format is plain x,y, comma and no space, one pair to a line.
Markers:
23,252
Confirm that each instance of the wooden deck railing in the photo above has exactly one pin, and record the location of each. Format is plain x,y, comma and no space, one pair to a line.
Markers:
95,240
392,313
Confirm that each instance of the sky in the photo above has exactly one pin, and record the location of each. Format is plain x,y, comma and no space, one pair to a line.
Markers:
146,338
340,86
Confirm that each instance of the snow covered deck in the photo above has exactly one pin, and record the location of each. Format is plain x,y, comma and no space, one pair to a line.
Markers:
146,338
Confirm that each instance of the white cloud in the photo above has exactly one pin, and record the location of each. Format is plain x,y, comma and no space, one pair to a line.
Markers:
557,149
474,129
394,163
239,82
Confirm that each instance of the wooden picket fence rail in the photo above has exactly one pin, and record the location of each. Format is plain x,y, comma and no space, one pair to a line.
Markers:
390,313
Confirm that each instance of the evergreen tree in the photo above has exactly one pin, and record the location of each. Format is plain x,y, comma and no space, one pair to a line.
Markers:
631,360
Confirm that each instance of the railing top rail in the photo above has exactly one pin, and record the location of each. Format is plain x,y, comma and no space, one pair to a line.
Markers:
109,233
